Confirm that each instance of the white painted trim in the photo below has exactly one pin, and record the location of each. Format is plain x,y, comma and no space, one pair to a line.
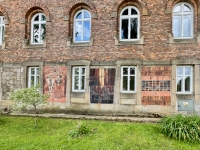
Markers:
2,29
129,16
79,76
34,75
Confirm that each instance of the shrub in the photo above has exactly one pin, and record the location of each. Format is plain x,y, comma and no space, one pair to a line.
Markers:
80,130
181,127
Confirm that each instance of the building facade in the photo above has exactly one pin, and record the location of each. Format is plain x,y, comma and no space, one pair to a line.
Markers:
103,56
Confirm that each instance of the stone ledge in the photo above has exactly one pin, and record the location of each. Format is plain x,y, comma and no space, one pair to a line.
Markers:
121,43
195,39
81,44
27,45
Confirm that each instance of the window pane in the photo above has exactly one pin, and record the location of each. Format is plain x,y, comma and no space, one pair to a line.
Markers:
187,84
125,12
179,71
79,16
2,34
32,71
43,32
132,83
82,82
32,81
188,71
86,36
187,25
86,14
125,85
177,26
134,26
125,71
133,11
37,80
36,33
37,71
76,71
43,18
177,9
83,71
179,83
124,29
78,31
132,71
76,82
186,8
36,18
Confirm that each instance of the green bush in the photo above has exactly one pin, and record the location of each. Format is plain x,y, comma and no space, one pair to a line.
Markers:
181,127
80,130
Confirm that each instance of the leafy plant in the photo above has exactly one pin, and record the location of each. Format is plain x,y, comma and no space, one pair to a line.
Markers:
80,130
181,127
29,96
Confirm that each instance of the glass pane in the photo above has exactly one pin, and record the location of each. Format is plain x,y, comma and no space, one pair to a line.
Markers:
79,16
125,85
32,81
179,83
125,71
43,18
187,25
132,83
132,71
78,31
32,71
179,70
82,82
37,80
188,70
177,26
86,14
36,33
37,71
3,20
124,29
187,84
36,18
125,12
134,26
43,32
83,71
133,11
76,82
3,31
186,8
177,9
76,71
86,35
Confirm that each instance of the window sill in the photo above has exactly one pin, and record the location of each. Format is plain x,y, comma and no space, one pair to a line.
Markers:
69,43
184,93
195,39
31,46
77,94
118,43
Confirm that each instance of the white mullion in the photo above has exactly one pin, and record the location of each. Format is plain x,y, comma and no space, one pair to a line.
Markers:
1,39
79,77
35,77
128,79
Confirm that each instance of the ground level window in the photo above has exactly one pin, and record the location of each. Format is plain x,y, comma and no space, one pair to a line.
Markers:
128,79
78,81
184,79
33,76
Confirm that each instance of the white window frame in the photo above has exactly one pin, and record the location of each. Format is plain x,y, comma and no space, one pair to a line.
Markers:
129,17
2,29
79,79
128,75
36,69
181,14
82,20
39,23
183,81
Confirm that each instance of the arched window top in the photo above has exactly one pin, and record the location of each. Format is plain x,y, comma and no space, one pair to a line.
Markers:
39,17
129,11
82,14
183,8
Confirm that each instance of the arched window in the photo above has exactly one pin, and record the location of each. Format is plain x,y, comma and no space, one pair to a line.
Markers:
183,20
38,28
82,26
2,26
129,24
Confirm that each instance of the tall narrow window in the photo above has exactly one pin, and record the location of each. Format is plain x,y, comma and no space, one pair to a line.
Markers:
2,26
184,79
183,21
128,79
33,76
38,28
82,26
78,83
129,24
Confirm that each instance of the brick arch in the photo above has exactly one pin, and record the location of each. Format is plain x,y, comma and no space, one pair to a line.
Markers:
2,10
194,3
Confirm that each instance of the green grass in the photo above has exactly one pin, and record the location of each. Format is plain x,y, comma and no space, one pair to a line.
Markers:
18,133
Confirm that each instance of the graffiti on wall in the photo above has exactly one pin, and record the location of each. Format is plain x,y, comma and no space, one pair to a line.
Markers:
156,85
102,85
55,83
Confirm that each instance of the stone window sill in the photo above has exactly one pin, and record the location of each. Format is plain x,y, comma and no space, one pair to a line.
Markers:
70,44
195,39
30,46
118,43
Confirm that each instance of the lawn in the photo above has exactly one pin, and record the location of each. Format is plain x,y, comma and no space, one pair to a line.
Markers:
18,133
